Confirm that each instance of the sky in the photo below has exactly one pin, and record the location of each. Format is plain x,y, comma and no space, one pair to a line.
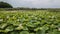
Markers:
34,3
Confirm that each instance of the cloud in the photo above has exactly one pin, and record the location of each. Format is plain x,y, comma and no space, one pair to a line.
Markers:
34,3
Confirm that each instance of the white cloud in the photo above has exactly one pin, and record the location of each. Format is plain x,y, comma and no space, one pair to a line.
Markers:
35,3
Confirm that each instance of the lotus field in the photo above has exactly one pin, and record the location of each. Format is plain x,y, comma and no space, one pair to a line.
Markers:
29,22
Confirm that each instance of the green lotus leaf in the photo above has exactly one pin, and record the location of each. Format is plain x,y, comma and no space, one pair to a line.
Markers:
25,28
19,27
3,25
32,33
40,32
53,32
9,28
14,32
30,25
24,32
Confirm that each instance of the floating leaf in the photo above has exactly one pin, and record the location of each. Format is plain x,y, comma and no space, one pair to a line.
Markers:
24,32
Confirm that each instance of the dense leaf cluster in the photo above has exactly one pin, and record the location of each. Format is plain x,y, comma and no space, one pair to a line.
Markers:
29,22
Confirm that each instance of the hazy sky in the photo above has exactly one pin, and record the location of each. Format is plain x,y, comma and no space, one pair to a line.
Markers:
34,3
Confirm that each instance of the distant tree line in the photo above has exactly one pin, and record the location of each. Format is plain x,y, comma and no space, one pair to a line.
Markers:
7,6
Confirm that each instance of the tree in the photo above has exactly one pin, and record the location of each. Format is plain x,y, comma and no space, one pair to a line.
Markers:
5,5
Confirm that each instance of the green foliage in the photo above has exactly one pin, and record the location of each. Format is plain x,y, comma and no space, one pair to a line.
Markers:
29,22
24,32
5,5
